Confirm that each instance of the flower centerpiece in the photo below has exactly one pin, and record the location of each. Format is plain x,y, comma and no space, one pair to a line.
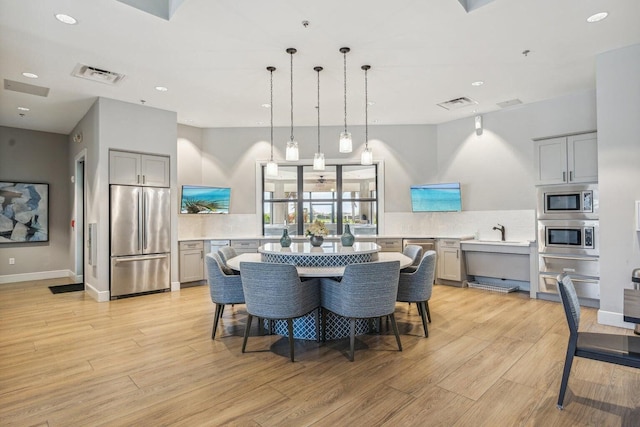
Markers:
317,230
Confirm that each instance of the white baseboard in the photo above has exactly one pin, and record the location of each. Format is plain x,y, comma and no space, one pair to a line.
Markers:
99,296
40,275
612,318
175,286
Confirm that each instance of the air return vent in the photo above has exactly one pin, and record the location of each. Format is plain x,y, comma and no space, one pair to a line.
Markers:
96,74
457,103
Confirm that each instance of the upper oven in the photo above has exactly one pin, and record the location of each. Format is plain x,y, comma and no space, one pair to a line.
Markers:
572,237
568,201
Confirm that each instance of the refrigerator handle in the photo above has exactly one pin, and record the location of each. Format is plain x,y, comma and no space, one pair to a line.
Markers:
144,219
139,222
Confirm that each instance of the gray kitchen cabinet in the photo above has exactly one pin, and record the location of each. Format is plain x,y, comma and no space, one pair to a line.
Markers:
450,265
389,244
242,246
127,168
567,159
191,261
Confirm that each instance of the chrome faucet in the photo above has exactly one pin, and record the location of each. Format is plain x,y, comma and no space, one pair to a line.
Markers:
501,228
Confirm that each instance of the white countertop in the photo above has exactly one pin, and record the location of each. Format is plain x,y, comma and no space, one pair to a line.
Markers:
331,237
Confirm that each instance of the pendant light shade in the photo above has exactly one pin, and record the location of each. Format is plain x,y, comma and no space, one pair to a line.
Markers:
367,154
318,158
346,143
291,153
272,167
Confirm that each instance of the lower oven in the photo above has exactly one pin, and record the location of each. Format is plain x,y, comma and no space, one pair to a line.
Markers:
584,272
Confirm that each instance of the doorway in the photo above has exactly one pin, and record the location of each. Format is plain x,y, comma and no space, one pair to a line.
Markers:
78,220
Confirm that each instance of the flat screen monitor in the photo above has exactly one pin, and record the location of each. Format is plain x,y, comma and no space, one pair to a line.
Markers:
197,199
436,197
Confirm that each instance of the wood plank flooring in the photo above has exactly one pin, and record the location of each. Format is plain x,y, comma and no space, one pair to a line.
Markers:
490,360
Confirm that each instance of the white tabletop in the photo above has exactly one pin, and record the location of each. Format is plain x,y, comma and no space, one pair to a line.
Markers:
405,261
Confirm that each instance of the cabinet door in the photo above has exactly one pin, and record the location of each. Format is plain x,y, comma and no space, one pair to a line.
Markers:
551,161
191,265
583,157
124,168
449,268
155,170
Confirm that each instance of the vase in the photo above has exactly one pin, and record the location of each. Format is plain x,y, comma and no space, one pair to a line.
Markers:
285,240
316,240
347,238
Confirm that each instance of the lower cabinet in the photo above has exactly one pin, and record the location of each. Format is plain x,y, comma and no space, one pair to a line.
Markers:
245,246
450,265
389,244
191,261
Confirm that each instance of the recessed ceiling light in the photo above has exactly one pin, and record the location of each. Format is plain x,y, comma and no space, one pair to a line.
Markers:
597,17
23,108
161,89
30,75
66,19
266,105
477,83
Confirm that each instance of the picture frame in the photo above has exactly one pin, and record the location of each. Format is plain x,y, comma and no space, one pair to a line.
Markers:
24,212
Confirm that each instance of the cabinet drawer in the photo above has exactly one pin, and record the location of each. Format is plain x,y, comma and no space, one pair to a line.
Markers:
390,245
244,246
194,244
449,243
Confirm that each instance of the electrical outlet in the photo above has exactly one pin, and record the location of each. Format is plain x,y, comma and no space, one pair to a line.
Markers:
12,261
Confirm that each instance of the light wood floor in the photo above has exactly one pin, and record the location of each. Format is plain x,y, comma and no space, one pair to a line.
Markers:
490,360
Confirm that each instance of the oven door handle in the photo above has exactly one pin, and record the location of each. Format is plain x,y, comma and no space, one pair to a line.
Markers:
573,258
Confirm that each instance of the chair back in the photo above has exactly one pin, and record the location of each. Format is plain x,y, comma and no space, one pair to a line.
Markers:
225,287
369,289
274,291
414,252
418,285
570,302
226,253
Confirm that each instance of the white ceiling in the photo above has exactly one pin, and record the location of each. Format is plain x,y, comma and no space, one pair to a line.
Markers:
212,55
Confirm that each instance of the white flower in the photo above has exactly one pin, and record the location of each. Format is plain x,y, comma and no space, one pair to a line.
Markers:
317,228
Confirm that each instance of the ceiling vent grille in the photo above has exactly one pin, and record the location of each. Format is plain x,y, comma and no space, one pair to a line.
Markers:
457,103
96,74
509,103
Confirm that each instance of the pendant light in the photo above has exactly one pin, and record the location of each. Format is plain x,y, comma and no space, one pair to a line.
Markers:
367,154
272,167
291,153
318,158
346,144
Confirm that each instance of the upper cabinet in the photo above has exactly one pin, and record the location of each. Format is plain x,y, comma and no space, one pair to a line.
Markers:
138,169
567,159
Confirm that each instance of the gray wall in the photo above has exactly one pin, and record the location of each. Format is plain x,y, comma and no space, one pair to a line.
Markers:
33,156
618,83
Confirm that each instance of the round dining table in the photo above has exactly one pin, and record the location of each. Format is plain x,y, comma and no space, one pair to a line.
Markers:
328,260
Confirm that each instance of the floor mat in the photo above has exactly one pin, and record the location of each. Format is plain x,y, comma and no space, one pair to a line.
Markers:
60,289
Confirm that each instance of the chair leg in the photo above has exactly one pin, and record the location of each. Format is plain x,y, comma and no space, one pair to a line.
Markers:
423,310
290,330
428,312
352,337
246,332
324,324
318,324
395,330
216,318
571,350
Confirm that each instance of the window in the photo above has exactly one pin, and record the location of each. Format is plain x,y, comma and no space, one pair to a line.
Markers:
341,194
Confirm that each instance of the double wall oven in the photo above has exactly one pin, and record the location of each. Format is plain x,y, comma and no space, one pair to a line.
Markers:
569,239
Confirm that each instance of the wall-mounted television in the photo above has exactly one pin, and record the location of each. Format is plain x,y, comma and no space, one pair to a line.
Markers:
199,199
444,197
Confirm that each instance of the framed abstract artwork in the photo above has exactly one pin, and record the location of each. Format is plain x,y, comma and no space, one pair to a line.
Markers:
24,212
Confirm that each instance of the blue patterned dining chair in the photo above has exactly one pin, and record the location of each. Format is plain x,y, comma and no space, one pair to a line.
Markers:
367,290
274,291
417,286
225,287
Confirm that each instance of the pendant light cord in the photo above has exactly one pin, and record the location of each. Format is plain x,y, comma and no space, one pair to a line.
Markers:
271,108
344,54
366,107
291,52
318,69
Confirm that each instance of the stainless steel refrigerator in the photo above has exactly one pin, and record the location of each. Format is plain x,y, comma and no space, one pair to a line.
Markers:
140,239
